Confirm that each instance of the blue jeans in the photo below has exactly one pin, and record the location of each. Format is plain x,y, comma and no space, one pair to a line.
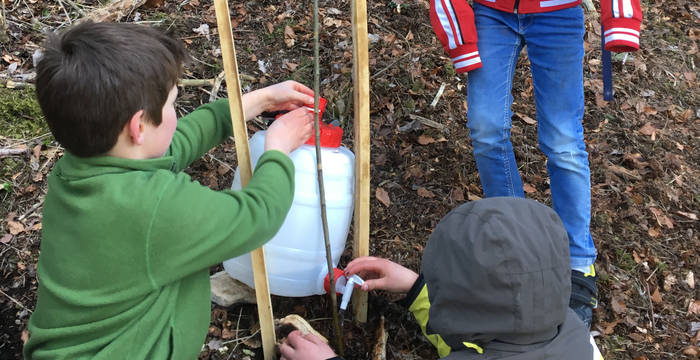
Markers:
555,47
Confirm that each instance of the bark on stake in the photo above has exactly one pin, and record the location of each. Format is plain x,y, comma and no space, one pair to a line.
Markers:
240,135
360,69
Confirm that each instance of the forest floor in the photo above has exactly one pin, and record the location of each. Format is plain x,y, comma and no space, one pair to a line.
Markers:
644,155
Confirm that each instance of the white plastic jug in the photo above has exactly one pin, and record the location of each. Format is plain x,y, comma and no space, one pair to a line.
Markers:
296,255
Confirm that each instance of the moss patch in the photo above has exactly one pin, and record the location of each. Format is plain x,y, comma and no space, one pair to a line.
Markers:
20,114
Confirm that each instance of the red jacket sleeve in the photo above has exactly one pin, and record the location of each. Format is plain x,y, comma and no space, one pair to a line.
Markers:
621,21
453,23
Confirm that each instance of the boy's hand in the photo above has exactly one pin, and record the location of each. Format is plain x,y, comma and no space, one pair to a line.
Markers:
382,274
288,95
289,131
305,347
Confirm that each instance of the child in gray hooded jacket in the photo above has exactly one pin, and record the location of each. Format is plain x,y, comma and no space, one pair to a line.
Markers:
495,284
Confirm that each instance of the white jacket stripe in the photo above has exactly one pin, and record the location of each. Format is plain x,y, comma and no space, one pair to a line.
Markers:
616,8
622,30
445,22
468,62
471,54
453,16
627,10
550,3
621,37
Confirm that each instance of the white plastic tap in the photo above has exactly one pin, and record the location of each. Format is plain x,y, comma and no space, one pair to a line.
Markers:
347,291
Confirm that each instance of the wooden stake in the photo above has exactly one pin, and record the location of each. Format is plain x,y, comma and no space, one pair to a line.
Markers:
240,135
361,133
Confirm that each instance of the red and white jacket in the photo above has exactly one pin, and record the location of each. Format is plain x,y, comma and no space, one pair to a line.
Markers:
453,23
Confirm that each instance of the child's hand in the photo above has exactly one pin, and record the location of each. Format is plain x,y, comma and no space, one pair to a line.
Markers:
305,347
289,131
382,274
288,95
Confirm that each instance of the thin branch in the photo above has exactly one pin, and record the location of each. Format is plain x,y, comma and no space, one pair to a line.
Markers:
114,11
438,95
16,302
322,192
31,210
217,85
18,85
389,66
10,152
428,122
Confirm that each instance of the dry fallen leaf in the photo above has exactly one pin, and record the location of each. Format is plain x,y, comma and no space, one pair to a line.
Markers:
472,197
661,219
654,232
528,120
382,196
691,351
694,307
6,239
610,327
648,129
690,280
15,227
458,195
669,281
529,188
690,216
289,36
618,306
656,296
425,193
425,140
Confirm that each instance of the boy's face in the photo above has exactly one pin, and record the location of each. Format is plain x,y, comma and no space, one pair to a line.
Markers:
160,136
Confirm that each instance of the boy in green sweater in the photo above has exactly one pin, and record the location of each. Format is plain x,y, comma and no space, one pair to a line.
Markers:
128,238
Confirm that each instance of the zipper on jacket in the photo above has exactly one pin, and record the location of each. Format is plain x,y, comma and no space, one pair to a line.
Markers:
515,8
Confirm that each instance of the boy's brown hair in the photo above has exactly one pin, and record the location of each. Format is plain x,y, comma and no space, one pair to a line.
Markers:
94,77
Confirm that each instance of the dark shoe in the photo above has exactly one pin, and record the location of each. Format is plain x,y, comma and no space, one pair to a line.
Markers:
584,295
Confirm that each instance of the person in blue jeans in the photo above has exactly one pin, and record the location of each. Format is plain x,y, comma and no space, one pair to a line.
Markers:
486,42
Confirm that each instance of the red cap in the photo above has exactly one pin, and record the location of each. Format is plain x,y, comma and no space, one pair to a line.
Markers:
331,135
337,273
322,102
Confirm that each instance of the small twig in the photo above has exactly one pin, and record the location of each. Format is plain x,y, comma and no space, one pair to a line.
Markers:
32,139
438,95
31,210
651,307
216,86
10,152
76,7
222,163
388,66
428,122
196,82
3,25
60,2
113,11
18,85
16,302
242,339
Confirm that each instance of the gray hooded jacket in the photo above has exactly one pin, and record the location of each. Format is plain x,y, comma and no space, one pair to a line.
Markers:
495,284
